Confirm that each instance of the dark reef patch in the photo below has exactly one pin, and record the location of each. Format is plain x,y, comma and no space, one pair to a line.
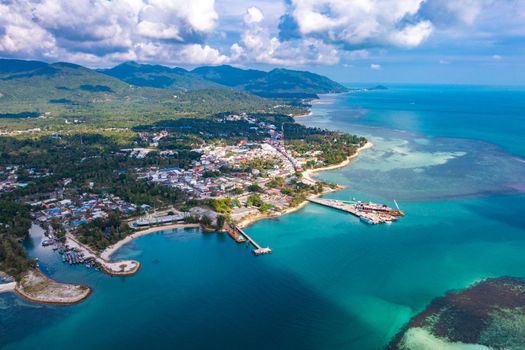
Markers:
488,313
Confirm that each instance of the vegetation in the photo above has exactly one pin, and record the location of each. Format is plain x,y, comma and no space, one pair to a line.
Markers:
15,222
210,129
254,200
159,76
332,147
101,233
222,205
85,159
85,118
58,92
283,83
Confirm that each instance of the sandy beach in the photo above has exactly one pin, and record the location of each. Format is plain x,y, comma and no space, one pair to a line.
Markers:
106,254
308,176
7,287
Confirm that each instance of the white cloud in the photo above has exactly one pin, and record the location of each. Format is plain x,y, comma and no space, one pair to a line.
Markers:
375,66
412,35
290,32
363,22
103,28
466,10
199,54
253,15
194,54
257,44
496,57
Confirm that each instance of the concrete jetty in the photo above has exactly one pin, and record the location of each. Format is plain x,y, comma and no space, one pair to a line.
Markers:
258,249
368,212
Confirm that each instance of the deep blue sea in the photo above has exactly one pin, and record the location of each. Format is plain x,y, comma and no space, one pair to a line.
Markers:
452,156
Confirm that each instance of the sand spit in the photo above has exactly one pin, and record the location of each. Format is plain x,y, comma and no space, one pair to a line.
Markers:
37,287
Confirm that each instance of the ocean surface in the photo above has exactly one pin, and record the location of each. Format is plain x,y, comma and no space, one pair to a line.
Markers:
452,156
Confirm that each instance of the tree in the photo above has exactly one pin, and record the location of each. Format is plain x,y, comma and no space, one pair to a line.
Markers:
254,188
206,220
221,219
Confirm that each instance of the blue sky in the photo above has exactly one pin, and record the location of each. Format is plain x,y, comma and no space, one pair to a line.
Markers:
418,41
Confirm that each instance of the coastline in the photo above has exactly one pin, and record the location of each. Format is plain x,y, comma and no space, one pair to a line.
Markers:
52,292
112,249
37,287
250,220
113,268
7,287
119,267
307,175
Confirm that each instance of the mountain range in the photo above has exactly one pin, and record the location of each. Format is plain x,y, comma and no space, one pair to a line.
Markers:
136,90
277,83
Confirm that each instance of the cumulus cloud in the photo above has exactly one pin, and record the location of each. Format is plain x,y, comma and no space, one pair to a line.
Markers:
258,44
278,32
106,29
253,15
375,66
362,23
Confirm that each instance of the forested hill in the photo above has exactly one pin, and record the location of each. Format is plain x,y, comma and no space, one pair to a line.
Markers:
277,83
30,89
159,76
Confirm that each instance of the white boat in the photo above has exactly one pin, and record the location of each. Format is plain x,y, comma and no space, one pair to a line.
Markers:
366,220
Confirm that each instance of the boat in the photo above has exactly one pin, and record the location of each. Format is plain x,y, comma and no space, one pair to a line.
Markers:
47,242
366,220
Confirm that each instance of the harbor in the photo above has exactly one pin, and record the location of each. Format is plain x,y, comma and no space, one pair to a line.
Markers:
368,212
73,252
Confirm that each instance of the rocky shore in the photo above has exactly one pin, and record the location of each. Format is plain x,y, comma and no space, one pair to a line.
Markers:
37,287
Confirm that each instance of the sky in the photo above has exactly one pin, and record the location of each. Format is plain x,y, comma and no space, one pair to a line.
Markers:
383,41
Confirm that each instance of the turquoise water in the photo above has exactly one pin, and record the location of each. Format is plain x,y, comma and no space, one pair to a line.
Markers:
452,157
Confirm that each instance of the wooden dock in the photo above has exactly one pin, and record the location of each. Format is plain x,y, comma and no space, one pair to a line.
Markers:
368,212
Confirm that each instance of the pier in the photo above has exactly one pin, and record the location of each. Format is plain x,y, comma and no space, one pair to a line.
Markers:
258,249
369,212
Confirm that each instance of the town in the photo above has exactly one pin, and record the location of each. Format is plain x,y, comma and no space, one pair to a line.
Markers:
222,173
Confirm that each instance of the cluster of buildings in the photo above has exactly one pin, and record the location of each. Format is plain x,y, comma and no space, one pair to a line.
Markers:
86,207
9,179
207,178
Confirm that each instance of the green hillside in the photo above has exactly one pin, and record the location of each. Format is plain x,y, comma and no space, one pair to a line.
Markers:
61,91
158,76
278,83
282,83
